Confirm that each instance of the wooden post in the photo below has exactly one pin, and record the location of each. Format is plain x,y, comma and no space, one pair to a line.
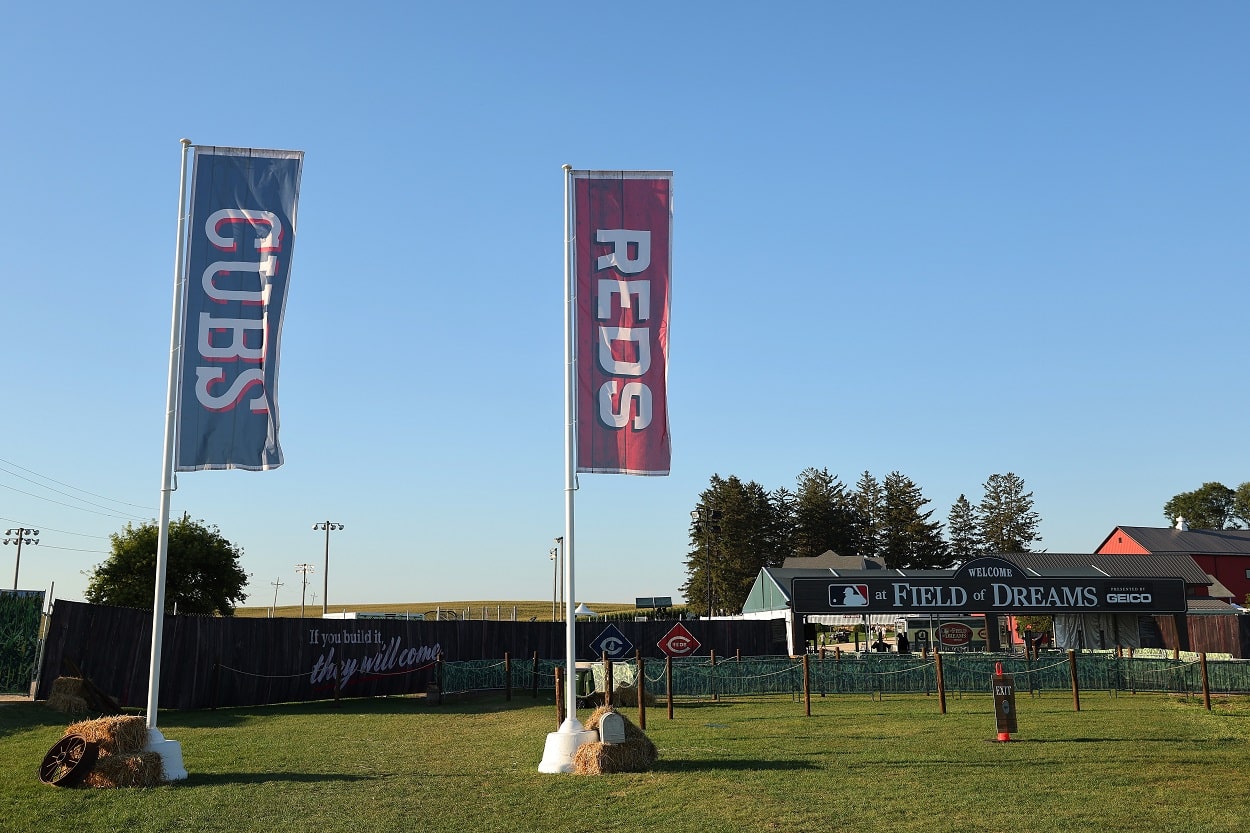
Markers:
712,682
1076,687
668,684
642,692
534,678
1206,688
438,675
507,676
559,696
607,681
941,683
216,680
807,686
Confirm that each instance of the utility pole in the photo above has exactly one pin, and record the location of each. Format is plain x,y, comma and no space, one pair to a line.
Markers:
304,570
328,526
276,584
20,536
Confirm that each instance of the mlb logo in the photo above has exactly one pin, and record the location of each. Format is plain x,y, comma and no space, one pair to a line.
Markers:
848,595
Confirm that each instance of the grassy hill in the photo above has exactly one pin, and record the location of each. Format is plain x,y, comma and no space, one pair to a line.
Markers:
495,610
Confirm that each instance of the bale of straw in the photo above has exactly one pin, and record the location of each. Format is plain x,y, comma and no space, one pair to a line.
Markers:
636,754
626,696
67,696
116,735
143,769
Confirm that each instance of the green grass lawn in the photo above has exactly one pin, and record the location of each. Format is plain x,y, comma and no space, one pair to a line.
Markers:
1128,763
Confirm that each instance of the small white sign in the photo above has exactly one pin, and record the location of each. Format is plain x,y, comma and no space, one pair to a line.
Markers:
612,728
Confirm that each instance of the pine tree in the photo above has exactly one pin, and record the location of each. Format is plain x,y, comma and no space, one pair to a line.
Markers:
824,515
961,531
869,500
730,535
1005,517
909,538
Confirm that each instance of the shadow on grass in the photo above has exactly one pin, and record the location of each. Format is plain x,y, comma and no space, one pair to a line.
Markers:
677,765
196,779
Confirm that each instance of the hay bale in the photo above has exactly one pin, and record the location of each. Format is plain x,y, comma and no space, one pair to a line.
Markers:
143,769
636,754
115,735
626,696
68,696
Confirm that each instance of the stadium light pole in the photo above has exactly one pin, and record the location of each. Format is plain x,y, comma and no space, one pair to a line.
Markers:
705,521
560,544
20,536
304,570
554,581
328,526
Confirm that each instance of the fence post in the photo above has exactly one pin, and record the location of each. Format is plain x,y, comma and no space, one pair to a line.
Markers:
807,686
1206,688
507,676
1076,686
642,692
941,683
712,680
608,683
534,678
668,683
559,696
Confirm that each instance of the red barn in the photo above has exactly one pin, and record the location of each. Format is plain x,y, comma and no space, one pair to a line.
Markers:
1224,554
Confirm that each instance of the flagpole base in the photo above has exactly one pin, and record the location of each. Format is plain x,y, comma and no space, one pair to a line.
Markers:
170,752
563,744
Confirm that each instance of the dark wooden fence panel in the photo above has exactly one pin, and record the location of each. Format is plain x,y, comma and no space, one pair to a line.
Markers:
231,661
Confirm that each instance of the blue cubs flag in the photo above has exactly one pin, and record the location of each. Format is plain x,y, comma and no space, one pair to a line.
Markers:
240,238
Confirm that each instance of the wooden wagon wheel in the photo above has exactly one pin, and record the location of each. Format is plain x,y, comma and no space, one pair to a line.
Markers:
68,761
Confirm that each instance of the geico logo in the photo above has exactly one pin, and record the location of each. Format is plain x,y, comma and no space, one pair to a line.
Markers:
1129,598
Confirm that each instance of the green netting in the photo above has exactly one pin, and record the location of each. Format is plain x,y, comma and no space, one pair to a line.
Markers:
873,673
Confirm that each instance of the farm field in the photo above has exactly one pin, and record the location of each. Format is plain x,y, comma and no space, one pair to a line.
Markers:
491,609
1126,763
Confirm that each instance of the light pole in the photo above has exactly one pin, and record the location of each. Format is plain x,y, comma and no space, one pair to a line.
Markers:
20,536
328,526
560,544
554,582
304,570
705,521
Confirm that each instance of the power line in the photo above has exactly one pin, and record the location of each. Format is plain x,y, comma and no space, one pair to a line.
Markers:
54,529
71,506
68,486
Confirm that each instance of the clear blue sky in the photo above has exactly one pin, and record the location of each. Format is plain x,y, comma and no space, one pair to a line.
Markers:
945,239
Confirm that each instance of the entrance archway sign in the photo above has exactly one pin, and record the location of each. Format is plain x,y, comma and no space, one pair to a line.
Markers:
986,585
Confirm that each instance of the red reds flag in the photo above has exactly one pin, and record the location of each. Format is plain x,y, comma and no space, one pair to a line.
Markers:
622,226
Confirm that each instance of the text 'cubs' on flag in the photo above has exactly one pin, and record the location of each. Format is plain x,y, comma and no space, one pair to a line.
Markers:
239,243
622,226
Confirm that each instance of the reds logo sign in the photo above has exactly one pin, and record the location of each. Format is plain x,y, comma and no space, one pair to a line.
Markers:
678,642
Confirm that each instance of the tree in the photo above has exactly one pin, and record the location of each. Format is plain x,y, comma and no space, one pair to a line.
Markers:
909,539
961,531
870,504
1211,506
729,548
1241,504
1005,517
202,576
824,515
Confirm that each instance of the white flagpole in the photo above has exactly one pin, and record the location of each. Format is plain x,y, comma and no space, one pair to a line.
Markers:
170,751
571,723
563,743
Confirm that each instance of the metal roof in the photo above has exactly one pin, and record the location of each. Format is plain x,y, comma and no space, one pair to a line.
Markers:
1188,541
1168,565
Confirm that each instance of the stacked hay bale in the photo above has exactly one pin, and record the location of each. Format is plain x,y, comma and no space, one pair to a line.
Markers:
636,754
68,696
122,761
